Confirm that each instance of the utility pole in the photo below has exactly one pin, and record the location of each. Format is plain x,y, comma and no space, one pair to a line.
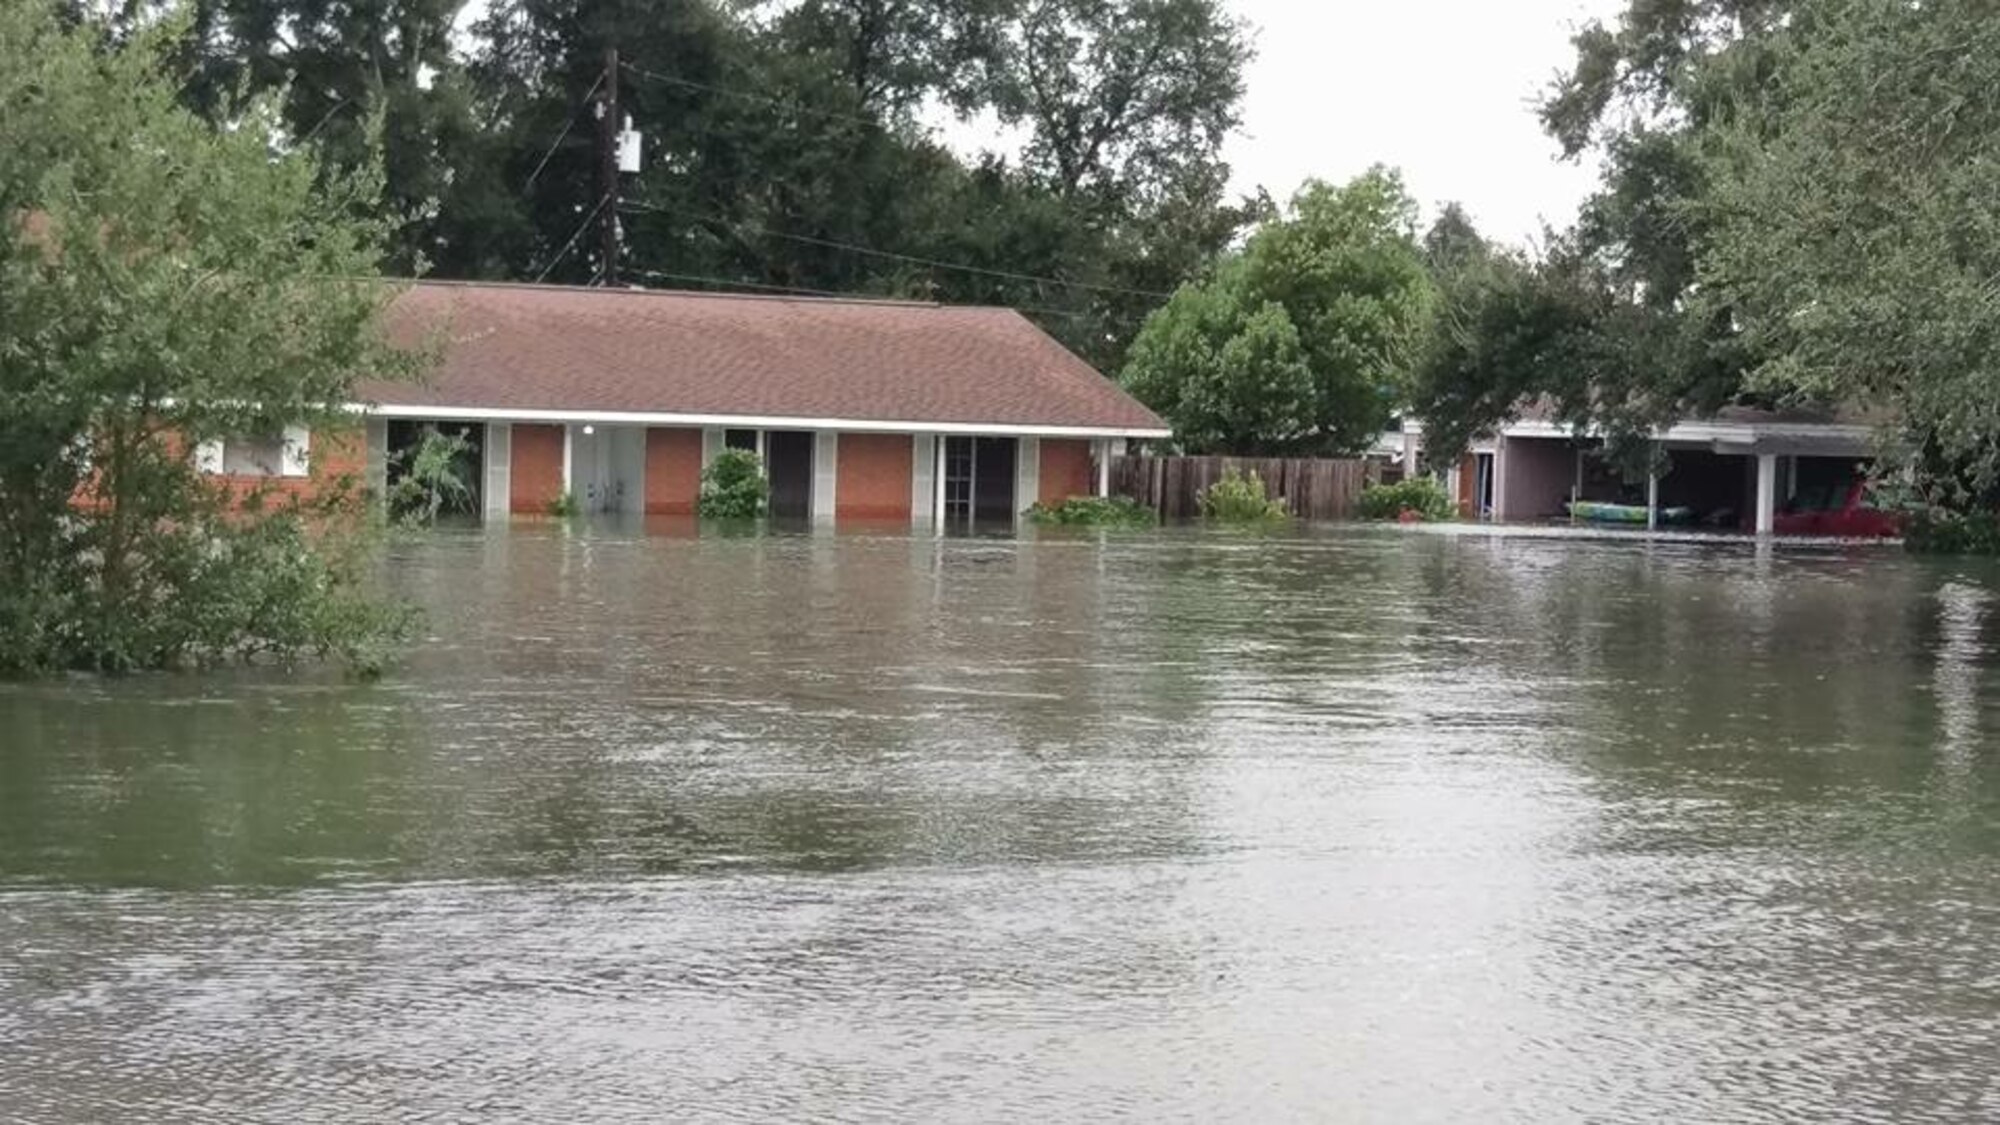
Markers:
608,126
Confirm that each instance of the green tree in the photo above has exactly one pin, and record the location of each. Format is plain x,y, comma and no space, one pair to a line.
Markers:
1505,329
165,283
366,82
1854,232
1611,324
1306,341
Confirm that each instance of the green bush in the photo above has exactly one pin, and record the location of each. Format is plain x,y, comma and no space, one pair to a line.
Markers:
563,506
733,487
432,478
1094,511
1241,499
1422,496
1939,532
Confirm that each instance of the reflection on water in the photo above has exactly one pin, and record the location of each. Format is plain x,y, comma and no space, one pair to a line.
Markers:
1357,824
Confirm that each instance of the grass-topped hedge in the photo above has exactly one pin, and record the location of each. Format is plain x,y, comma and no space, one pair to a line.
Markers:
1094,511
1423,497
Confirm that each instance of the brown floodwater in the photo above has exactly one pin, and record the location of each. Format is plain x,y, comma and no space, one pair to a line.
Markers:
1343,825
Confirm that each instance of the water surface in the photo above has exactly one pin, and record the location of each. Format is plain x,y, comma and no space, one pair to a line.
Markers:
1354,825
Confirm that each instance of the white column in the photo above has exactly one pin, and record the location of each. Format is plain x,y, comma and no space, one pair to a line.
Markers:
711,444
923,483
826,475
1652,501
942,443
374,454
1412,447
1500,479
1100,450
499,478
1767,493
569,459
1027,473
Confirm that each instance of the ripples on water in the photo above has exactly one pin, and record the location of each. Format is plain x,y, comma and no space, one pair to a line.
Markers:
1358,825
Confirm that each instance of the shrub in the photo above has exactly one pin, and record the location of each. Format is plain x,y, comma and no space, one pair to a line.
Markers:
1094,511
433,478
564,506
733,487
1423,497
1939,532
1241,499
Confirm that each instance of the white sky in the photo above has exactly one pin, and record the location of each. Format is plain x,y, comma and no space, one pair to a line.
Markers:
1443,89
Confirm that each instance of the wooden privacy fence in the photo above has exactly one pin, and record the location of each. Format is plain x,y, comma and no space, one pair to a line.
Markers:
1311,488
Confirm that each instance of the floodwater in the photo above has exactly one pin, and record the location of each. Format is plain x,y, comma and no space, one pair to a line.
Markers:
1353,825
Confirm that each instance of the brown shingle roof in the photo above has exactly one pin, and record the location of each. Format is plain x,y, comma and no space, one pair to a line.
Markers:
530,347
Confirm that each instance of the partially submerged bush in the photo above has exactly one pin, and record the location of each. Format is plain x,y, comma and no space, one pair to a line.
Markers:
1237,498
1939,532
432,478
733,487
1422,497
1094,511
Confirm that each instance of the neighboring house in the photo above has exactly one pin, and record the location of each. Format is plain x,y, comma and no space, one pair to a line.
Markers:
1741,469
908,413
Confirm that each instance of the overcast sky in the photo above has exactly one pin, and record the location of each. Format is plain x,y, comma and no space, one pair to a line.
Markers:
1443,89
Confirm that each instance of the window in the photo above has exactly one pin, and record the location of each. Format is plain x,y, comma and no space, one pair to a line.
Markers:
256,455
260,456
740,439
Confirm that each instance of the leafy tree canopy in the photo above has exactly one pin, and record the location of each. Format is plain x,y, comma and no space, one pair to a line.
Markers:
1304,342
1796,209
783,145
163,282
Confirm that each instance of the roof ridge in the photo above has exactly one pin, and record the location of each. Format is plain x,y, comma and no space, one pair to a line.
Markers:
642,291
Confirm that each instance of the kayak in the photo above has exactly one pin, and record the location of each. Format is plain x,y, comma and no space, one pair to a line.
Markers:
1598,512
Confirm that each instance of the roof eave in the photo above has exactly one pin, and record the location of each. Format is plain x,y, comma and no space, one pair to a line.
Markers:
754,421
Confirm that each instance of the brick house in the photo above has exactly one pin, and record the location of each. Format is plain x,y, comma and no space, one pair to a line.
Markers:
896,412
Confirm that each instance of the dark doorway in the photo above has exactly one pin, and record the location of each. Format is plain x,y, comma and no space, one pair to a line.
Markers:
406,434
740,439
788,459
979,481
993,480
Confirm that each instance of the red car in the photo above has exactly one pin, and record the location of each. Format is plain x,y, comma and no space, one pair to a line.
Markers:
1836,513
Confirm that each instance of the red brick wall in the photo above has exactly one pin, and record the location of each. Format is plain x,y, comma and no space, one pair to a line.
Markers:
334,458
874,477
1065,470
536,470
673,471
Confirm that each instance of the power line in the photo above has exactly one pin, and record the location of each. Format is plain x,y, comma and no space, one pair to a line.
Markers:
567,246
759,99
663,275
912,259
762,287
568,124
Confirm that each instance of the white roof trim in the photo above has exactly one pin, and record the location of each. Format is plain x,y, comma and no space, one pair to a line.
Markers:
1734,433
750,421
